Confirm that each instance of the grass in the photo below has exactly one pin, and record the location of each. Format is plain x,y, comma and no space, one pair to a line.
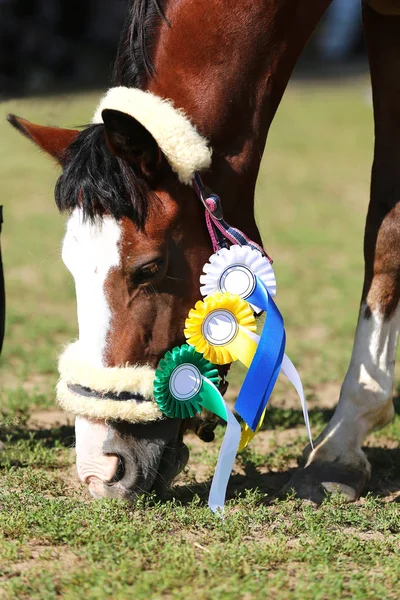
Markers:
57,542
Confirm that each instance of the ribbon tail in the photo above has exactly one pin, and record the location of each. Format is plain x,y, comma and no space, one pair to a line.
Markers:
229,447
244,346
248,434
259,297
264,370
291,373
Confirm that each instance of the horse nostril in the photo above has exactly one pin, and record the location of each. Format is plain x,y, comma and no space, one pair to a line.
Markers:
119,473
126,475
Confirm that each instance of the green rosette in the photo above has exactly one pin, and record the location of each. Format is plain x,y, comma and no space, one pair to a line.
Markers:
178,382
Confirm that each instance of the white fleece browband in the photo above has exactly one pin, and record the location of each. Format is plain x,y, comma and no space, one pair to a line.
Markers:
136,379
184,148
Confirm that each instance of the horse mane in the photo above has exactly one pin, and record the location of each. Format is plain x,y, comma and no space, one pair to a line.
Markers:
93,178
133,65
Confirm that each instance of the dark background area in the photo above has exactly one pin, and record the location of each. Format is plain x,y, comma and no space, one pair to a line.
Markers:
51,45
48,43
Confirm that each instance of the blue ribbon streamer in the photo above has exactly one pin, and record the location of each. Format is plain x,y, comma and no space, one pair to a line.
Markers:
266,364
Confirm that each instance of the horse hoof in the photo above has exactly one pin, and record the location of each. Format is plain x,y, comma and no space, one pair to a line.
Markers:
318,479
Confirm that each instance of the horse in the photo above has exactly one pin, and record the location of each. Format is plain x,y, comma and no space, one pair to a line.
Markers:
195,88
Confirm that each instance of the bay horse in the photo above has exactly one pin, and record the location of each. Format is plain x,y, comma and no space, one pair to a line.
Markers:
136,238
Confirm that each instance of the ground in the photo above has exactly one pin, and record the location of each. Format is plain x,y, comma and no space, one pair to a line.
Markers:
55,541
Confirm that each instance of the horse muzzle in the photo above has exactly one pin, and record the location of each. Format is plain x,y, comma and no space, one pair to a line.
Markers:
122,460
124,445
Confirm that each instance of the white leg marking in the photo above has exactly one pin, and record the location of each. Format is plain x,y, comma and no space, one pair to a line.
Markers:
366,397
90,250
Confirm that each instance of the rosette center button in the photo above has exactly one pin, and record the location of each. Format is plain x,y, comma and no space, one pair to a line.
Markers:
185,382
220,327
238,280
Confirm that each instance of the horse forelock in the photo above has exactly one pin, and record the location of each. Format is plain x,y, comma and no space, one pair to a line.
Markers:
100,183
93,178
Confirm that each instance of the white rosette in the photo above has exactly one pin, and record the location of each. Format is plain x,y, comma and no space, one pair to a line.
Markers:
233,270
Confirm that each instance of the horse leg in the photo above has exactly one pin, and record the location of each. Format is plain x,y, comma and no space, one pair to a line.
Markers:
365,403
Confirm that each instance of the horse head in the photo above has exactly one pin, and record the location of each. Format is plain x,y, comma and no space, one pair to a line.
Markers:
135,244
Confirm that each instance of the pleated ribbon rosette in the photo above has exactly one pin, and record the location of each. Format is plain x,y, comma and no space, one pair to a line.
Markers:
243,272
185,383
232,270
221,328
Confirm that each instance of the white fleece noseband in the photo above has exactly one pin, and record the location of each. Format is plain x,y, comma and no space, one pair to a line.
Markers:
74,370
184,148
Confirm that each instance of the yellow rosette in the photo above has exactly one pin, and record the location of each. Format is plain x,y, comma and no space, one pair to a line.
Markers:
222,327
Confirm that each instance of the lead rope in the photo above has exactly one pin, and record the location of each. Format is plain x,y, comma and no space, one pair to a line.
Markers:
219,230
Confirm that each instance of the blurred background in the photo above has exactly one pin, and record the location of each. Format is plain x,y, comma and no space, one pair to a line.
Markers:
44,45
47,43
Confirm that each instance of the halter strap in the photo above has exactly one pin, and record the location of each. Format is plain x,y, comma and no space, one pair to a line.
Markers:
221,233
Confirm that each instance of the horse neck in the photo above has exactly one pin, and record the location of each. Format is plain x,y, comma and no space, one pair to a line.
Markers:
227,64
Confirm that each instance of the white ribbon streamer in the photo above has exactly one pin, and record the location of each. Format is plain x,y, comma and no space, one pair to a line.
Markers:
288,369
226,459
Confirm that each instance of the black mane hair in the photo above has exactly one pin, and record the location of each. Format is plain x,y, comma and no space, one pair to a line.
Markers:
93,178
133,65
99,182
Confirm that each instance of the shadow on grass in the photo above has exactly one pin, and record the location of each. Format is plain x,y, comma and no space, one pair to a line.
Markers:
64,435
287,418
268,484
385,480
385,462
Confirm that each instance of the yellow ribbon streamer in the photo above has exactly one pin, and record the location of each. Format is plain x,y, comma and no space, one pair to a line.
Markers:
248,433
243,347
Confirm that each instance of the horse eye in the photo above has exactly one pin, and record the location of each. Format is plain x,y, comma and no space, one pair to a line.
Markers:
147,273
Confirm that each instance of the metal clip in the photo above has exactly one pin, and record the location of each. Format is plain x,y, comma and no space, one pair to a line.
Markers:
206,193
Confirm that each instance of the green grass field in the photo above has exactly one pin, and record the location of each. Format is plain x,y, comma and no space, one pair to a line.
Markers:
55,541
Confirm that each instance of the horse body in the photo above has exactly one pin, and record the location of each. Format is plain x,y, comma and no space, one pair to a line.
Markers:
227,68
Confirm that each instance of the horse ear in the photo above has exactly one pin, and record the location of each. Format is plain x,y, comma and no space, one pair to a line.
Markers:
52,140
130,140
